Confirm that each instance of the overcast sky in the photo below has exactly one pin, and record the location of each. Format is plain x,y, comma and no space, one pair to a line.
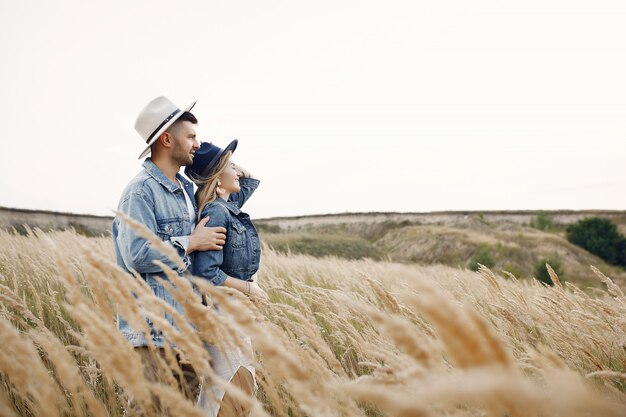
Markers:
338,105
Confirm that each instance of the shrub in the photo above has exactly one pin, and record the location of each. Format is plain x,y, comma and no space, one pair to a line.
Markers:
514,269
599,236
267,228
483,257
541,271
621,253
542,221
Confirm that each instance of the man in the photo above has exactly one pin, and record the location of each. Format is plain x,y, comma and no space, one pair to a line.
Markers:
163,201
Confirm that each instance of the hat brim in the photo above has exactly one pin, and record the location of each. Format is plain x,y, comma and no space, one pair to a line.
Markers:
163,129
231,147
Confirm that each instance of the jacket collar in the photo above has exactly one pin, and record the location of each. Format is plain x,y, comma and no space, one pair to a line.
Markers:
231,207
160,177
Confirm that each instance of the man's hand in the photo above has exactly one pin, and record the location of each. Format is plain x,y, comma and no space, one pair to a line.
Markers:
206,238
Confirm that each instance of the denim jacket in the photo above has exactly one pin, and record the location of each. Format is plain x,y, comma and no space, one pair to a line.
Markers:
242,252
153,200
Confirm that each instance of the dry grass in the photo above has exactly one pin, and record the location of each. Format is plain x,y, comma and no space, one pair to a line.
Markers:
335,338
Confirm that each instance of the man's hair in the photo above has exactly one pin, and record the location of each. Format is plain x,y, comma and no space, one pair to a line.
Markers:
188,117
185,117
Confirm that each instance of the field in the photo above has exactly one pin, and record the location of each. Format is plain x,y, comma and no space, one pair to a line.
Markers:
337,337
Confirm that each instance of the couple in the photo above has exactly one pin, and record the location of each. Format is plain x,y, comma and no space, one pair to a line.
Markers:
213,237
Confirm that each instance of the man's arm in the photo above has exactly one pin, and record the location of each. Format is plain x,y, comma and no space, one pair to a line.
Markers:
206,238
136,251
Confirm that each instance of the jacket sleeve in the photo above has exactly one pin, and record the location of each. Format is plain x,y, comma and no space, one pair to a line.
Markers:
207,263
247,187
137,252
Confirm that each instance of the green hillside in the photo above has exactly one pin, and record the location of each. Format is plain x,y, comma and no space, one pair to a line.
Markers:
517,248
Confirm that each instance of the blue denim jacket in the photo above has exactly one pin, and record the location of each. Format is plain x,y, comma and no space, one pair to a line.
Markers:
153,200
242,252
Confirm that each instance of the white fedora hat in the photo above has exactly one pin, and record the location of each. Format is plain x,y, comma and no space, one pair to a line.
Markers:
155,118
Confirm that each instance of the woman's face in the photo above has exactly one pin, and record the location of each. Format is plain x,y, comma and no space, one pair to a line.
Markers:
230,177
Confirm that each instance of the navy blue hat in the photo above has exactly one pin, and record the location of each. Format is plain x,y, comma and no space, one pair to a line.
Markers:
206,158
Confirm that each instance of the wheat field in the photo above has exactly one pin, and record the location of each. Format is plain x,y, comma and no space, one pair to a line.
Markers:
335,338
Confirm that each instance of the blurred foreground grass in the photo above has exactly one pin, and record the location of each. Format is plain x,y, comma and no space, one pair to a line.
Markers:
336,337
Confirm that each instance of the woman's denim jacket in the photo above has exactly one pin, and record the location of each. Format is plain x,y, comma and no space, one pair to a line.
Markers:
242,252
155,201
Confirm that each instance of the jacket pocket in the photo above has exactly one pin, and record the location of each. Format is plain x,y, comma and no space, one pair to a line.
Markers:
237,235
167,228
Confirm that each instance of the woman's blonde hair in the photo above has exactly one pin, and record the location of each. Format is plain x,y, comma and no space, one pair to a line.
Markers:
207,187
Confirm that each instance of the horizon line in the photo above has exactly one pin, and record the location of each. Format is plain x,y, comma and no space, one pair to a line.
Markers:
362,213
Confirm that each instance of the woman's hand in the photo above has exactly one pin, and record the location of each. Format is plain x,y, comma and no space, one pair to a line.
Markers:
246,287
244,172
255,290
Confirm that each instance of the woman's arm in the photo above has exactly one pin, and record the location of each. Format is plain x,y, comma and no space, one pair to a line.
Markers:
206,264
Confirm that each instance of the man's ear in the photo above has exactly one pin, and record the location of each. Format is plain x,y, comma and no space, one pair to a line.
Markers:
165,139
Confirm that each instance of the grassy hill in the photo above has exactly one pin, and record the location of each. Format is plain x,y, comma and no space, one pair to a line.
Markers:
459,240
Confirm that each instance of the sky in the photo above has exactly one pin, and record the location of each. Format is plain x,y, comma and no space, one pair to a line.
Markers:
339,106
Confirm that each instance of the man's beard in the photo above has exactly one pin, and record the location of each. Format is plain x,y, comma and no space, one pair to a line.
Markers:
183,159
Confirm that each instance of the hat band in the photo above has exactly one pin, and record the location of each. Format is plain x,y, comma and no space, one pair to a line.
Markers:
167,119
209,167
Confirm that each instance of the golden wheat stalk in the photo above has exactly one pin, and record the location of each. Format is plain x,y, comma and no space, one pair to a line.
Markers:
613,289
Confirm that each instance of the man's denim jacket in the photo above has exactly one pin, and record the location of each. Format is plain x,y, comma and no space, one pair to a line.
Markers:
156,202
242,252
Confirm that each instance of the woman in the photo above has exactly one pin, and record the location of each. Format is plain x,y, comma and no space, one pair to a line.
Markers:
223,188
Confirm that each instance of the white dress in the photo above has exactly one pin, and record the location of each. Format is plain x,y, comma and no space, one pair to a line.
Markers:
225,365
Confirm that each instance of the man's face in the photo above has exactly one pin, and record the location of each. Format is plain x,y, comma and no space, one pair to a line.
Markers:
184,142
